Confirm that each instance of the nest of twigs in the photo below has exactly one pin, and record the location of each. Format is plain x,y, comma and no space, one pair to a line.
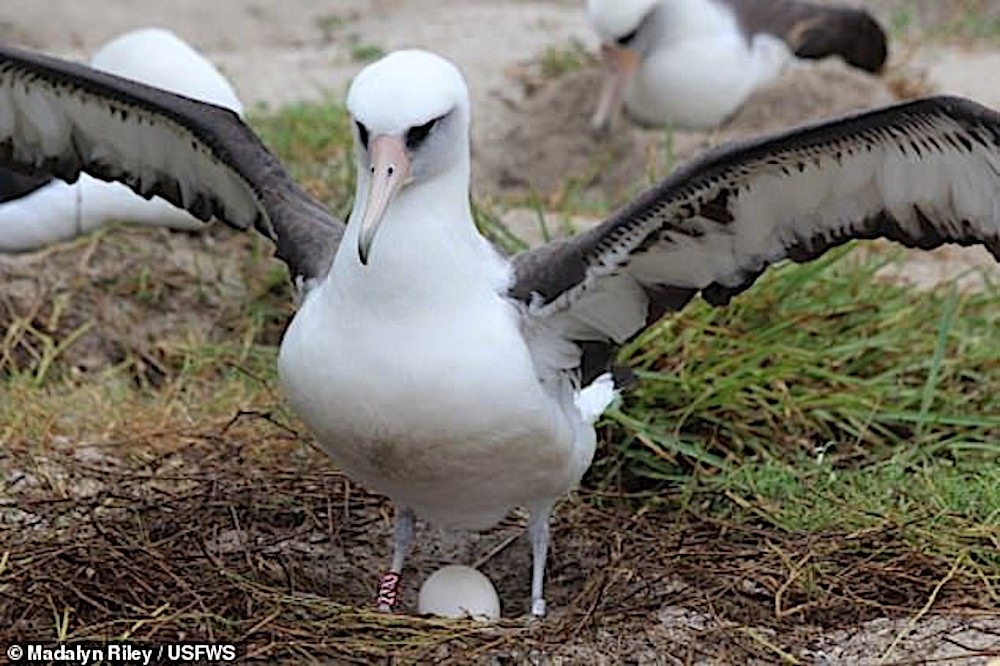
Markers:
242,533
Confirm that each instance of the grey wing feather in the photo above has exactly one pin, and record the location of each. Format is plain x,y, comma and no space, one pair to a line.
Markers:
923,173
817,31
60,118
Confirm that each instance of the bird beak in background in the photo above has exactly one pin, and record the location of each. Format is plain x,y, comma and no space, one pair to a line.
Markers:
390,171
621,64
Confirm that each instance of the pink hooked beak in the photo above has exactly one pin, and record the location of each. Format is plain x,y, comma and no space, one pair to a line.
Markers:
390,171
621,64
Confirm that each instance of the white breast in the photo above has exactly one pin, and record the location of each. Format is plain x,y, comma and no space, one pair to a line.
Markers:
431,401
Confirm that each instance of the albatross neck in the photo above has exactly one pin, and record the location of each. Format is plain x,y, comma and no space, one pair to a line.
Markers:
427,248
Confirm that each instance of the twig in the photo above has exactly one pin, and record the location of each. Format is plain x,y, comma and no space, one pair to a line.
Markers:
923,611
755,635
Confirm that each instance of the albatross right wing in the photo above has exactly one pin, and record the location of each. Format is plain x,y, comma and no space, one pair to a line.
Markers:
923,173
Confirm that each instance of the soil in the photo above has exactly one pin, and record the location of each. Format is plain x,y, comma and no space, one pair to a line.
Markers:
621,584
546,144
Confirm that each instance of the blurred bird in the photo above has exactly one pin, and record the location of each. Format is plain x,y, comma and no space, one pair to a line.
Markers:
692,63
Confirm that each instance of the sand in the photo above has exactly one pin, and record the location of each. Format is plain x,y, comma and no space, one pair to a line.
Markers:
546,139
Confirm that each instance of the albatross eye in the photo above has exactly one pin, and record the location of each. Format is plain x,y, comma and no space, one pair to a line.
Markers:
362,134
416,135
624,40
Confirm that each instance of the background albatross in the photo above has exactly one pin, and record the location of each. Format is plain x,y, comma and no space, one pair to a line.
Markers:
459,382
692,63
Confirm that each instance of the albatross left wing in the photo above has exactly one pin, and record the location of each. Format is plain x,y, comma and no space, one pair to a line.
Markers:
14,185
61,118
924,173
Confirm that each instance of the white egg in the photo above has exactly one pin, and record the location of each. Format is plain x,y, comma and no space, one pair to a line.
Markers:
458,591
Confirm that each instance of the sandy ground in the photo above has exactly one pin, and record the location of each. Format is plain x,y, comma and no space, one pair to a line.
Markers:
279,53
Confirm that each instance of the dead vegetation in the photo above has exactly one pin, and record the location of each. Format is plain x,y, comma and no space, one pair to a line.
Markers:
241,533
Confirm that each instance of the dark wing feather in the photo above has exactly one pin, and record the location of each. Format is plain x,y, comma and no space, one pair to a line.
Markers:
817,31
60,118
14,185
923,173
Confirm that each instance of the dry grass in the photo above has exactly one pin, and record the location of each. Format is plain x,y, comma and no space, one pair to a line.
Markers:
239,532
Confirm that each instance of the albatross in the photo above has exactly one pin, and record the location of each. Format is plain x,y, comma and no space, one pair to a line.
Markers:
692,63
58,211
455,380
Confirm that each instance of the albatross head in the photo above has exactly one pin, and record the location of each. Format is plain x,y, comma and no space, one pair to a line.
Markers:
411,126
623,27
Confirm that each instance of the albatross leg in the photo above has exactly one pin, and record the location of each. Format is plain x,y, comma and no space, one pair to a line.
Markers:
538,531
402,536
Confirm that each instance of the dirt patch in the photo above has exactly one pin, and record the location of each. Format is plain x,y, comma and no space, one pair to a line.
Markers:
243,533
130,295
543,145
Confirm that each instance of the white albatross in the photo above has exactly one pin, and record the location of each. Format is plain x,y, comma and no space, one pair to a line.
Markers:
692,63
37,211
459,382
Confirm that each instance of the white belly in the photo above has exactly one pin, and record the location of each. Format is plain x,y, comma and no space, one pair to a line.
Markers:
442,414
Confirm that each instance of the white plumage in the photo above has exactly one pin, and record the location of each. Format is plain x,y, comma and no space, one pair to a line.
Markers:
692,63
419,382
697,66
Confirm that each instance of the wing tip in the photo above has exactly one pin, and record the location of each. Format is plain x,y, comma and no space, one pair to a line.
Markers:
853,34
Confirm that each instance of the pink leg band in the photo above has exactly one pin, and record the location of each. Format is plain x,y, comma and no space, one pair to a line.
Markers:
388,590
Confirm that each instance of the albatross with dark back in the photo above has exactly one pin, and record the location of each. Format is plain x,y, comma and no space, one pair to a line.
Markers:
457,381
692,63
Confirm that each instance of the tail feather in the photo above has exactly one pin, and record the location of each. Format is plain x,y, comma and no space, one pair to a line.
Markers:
850,33
593,399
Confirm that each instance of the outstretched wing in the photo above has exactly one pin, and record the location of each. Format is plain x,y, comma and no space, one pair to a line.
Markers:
60,118
817,31
923,173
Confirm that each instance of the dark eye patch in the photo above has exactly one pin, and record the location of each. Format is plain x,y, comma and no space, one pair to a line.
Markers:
416,135
362,134
624,40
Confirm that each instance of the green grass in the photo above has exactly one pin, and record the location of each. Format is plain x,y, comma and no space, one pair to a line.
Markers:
816,495
822,399
314,140
823,357
947,508
366,52
964,21
331,25
558,61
